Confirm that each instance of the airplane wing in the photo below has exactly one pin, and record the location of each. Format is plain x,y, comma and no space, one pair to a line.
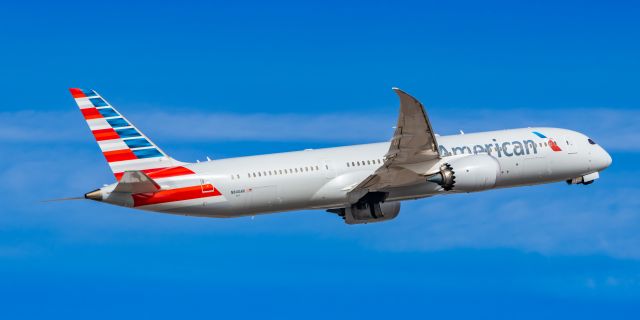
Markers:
136,182
413,142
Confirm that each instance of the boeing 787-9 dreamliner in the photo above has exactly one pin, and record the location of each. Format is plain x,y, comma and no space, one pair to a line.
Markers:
360,183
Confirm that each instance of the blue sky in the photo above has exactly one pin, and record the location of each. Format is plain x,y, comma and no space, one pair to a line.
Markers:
225,79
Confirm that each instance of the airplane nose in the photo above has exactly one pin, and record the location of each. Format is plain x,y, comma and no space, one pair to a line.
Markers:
604,159
608,160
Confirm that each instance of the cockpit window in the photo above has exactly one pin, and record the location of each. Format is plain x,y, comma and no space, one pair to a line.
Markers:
591,141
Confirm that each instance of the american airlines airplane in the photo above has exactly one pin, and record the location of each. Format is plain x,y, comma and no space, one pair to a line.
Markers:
360,183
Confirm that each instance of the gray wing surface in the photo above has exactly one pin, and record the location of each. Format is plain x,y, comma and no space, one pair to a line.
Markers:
413,142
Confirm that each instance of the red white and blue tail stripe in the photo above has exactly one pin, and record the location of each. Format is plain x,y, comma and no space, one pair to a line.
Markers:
123,145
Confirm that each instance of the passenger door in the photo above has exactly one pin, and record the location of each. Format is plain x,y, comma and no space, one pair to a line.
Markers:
329,169
569,145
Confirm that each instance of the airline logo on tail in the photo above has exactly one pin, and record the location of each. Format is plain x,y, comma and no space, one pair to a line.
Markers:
122,144
129,151
118,139
554,146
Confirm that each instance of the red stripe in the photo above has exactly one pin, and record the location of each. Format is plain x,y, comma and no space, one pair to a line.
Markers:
77,93
105,134
158,173
91,113
119,155
170,172
163,196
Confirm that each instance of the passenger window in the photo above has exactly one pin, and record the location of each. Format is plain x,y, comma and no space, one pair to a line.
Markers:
348,165
368,162
280,171
317,168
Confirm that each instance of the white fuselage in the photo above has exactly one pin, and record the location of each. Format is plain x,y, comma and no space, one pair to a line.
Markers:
322,178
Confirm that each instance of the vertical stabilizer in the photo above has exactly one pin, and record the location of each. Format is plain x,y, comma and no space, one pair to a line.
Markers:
122,144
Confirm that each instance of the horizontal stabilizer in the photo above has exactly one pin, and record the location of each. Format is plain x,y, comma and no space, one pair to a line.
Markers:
136,182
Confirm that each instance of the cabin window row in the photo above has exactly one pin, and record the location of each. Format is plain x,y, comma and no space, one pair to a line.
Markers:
278,172
363,163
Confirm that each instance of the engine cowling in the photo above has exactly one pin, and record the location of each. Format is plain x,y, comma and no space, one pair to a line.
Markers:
468,174
368,212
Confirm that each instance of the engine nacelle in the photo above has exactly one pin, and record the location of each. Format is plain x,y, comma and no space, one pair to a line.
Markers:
368,212
468,174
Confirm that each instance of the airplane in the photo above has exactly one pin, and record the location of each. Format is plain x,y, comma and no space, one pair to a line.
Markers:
361,183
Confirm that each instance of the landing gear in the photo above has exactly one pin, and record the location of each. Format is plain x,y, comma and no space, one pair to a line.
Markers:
585,180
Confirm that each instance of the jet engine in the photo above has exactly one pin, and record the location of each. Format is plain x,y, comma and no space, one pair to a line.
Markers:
371,208
467,174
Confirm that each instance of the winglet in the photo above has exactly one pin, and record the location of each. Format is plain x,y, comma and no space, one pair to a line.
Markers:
404,96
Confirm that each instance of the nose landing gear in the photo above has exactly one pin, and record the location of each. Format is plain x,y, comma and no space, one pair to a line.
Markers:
585,180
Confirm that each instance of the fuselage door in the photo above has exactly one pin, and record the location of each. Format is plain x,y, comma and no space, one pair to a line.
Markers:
329,169
569,144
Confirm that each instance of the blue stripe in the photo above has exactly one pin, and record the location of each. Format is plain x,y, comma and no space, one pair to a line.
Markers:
137,143
127,133
108,112
539,134
98,102
89,93
147,153
118,122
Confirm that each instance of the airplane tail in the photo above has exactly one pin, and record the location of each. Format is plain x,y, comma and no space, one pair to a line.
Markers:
122,144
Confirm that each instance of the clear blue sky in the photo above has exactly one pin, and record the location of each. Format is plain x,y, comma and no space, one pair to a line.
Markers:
226,79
